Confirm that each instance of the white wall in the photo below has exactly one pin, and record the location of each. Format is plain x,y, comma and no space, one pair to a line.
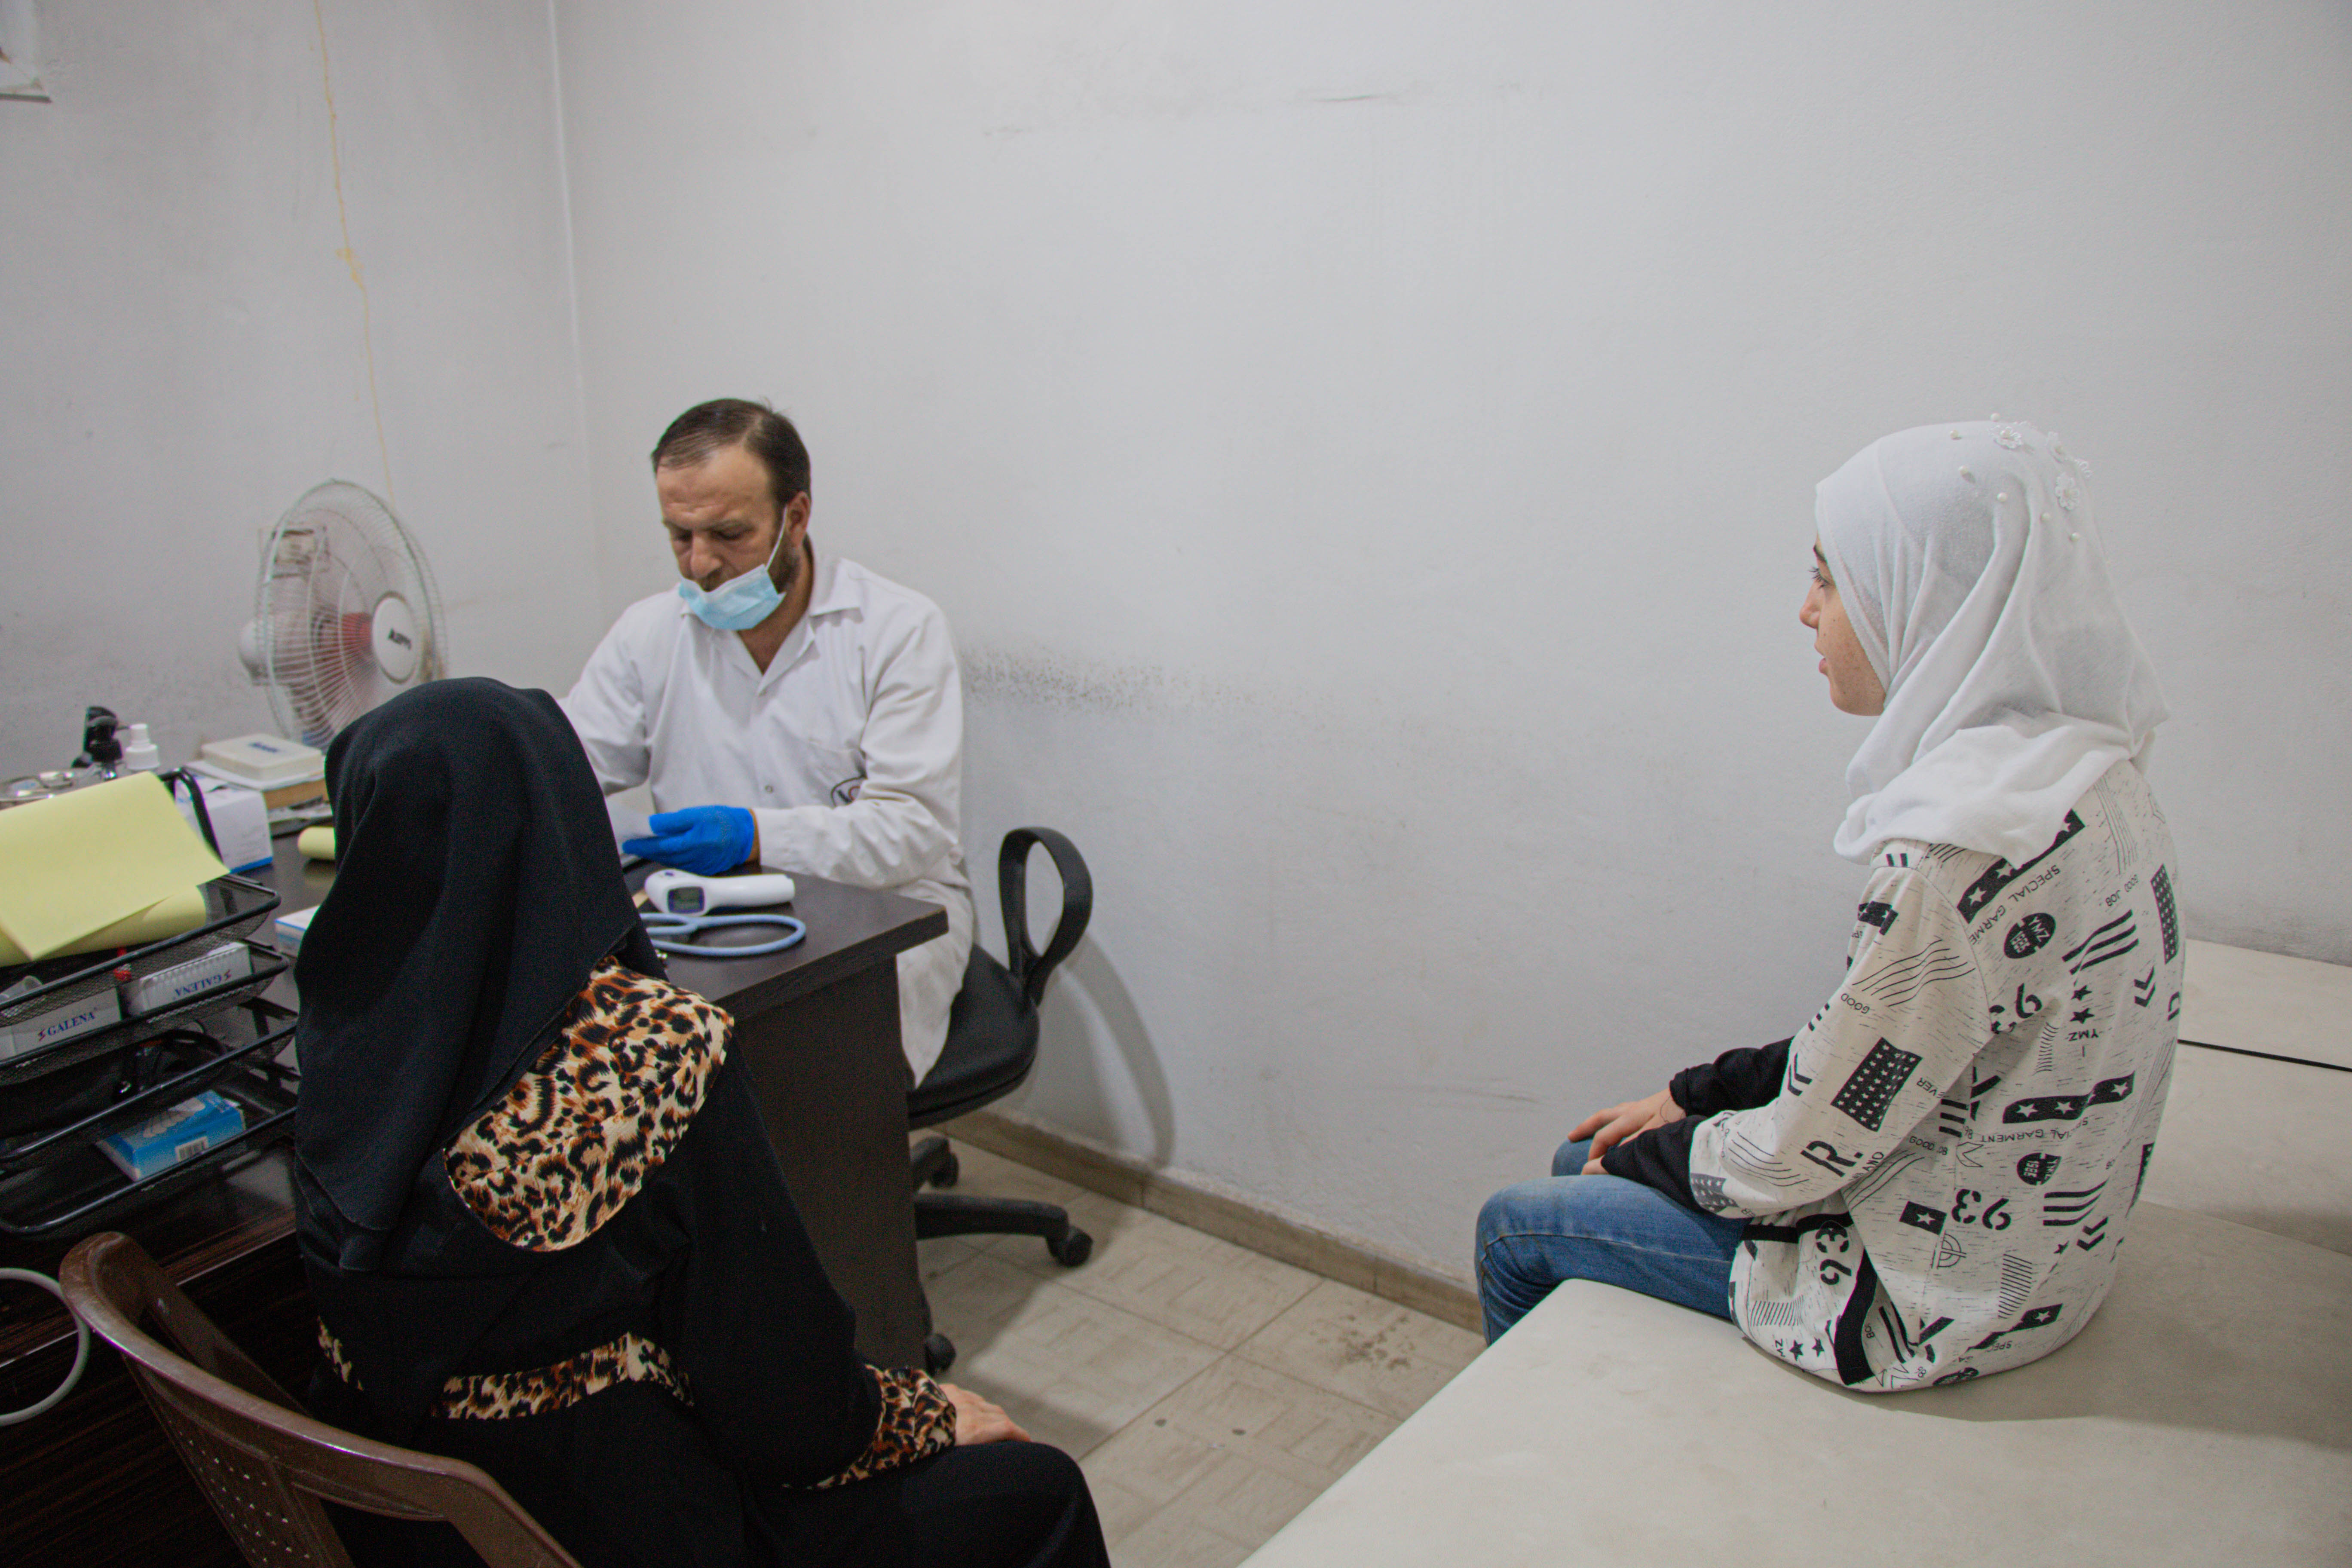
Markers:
188,350
1367,450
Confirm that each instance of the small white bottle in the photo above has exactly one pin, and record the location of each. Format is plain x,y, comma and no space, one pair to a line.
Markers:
139,752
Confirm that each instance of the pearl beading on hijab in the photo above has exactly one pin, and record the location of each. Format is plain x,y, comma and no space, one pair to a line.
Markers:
2012,679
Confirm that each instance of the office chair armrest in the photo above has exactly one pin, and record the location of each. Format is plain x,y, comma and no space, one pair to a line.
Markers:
1031,968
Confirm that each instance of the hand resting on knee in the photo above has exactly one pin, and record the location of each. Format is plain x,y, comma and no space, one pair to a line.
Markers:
1609,1128
978,1421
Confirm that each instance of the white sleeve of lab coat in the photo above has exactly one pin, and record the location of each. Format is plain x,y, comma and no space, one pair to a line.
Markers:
907,819
608,714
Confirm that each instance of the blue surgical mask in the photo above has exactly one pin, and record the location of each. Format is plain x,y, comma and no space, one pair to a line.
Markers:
741,603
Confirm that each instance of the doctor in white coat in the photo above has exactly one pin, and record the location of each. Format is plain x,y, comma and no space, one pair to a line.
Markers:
787,709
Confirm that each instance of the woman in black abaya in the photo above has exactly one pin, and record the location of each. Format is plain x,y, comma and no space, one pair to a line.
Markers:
541,1220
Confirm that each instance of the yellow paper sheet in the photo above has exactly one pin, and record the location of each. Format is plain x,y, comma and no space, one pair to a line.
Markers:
183,910
76,863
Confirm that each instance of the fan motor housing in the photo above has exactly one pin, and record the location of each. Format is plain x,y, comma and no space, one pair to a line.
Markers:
394,639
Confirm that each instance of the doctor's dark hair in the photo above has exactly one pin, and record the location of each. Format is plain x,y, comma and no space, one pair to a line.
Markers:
724,422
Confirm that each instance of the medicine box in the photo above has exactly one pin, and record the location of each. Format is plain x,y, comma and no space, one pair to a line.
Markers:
81,1016
183,1133
170,987
240,820
289,930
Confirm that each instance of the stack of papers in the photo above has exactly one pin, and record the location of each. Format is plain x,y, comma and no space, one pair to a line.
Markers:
110,866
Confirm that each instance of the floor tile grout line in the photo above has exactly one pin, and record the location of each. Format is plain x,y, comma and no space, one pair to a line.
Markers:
1196,1482
1300,1375
1053,1284
1287,1374
1141,1415
1344,1397
1069,1277
1072,1277
1214,1355
1389,1422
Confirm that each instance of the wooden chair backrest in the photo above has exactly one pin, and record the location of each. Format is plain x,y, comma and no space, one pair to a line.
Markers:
263,1463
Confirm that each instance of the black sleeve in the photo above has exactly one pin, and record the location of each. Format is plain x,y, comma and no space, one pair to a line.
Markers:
1735,1080
1659,1158
766,1345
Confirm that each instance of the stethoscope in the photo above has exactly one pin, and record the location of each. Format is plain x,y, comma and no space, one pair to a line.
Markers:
667,931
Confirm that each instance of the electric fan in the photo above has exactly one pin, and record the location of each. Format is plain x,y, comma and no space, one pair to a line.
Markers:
346,614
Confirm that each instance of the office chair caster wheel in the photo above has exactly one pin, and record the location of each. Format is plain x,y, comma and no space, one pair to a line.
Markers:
1072,1250
939,1354
950,1172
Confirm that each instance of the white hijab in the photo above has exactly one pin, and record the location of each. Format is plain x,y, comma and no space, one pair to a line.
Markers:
1965,561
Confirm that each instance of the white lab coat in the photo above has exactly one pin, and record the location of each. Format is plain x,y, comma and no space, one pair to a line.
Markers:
848,750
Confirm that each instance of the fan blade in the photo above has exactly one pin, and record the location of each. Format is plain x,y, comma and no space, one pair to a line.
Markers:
364,689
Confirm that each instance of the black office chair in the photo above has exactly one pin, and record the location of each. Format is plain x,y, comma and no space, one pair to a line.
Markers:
992,1045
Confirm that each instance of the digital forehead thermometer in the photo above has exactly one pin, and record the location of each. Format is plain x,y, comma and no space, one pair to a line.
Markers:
675,892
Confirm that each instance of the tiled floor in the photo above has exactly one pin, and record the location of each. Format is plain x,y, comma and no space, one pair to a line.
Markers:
1208,1392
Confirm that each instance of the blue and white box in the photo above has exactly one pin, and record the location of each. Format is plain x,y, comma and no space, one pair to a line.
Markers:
82,1015
183,1133
289,930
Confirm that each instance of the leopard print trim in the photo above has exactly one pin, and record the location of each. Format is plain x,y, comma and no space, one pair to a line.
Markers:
503,1396
917,1418
596,1115
336,1362
917,1421
500,1397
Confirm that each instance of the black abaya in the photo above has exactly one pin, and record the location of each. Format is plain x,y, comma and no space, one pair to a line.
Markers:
506,1170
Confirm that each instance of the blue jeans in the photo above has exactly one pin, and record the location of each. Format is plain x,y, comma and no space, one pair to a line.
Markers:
1533,1235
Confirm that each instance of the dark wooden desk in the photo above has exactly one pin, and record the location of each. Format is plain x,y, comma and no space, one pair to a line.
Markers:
95,1481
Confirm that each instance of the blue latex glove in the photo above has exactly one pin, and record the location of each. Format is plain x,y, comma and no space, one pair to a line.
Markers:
708,840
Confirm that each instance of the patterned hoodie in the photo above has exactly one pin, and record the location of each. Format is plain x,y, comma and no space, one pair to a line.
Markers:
1937,1172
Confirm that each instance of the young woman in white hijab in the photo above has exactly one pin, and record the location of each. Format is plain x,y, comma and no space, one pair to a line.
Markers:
1930,1180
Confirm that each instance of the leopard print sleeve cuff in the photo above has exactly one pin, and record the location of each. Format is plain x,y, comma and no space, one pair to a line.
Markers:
596,1115
503,1396
917,1421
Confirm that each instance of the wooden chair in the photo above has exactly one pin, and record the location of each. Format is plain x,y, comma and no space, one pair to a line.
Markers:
263,1464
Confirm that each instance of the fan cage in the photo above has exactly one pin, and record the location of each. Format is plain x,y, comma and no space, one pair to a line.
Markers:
326,567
